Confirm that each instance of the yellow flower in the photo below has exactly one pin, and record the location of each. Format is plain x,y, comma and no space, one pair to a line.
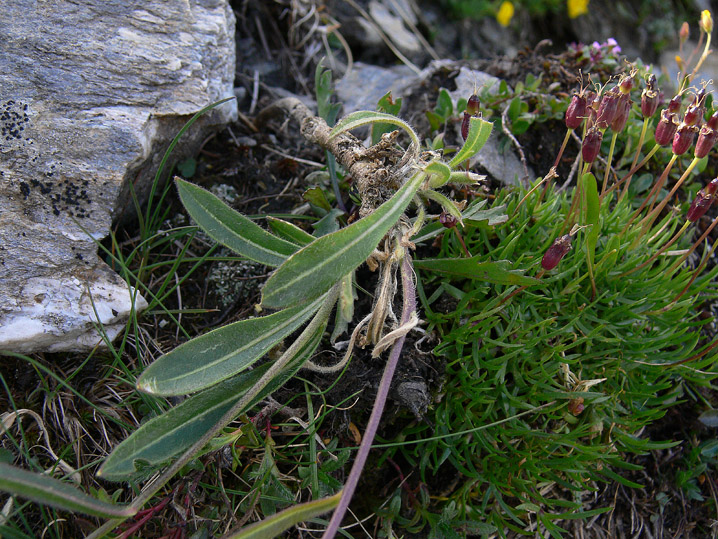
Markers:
577,7
706,21
506,12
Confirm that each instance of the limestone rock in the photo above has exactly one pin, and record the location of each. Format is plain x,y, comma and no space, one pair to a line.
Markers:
364,85
91,95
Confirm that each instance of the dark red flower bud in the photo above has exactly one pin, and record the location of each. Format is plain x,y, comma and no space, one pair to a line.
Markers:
622,113
699,206
472,105
576,111
591,144
472,109
707,136
448,220
683,139
556,252
666,128
607,109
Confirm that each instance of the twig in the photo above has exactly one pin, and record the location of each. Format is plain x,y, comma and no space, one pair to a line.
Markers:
504,121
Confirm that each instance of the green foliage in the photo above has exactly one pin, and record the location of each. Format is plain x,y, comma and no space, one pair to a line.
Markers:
50,491
550,345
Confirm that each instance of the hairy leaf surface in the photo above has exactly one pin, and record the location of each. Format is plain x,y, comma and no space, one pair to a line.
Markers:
231,228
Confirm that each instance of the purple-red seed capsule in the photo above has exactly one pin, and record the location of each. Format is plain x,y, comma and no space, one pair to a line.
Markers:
693,115
447,220
556,252
473,104
674,105
607,109
683,139
699,206
666,128
591,144
472,109
624,109
649,98
707,137
576,111
712,187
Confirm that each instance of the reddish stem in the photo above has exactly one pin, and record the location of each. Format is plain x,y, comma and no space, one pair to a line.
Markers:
408,308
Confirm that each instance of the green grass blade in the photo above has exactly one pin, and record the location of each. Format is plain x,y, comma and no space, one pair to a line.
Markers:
49,491
313,270
221,353
479,131
282,521
366,117
231,228
166,436
498,272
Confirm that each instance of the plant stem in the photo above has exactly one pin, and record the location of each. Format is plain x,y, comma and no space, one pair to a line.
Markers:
657,253
150,490
635,157
659,183
693,247
633,170
648,220
608,163
408,308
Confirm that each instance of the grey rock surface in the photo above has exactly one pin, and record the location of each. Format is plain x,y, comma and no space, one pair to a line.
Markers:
501,163
90,96
364,85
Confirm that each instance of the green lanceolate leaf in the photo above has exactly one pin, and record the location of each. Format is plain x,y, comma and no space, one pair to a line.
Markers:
498,272
165,436
591,216
365,117
49,491
314,269
479,131
289,231
282,521
231,228
219,354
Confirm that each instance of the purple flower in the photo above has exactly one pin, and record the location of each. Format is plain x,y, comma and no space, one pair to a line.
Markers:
612,44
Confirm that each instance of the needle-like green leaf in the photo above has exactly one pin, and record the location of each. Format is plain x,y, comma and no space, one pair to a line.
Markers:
314,269
219,354
49,491
231,228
